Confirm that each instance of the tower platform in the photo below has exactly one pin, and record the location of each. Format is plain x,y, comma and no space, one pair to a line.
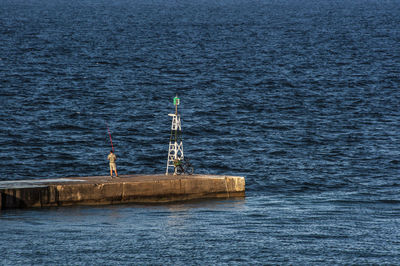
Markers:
102,190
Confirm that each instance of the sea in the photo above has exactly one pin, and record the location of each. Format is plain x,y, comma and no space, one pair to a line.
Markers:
301,97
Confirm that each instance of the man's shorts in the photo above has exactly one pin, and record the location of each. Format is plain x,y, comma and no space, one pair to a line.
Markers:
113,166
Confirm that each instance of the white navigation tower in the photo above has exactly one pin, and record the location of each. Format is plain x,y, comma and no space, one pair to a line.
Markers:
175,151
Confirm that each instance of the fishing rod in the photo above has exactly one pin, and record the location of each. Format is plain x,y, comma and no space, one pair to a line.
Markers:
109,134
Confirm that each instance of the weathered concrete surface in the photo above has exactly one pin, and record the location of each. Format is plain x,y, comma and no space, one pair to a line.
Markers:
100,190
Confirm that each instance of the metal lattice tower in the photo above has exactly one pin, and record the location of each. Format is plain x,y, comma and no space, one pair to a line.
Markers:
175,150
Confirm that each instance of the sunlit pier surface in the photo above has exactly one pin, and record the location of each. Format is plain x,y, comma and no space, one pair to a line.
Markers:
102,190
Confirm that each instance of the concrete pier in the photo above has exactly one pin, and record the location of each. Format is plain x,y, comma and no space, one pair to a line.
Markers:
102,190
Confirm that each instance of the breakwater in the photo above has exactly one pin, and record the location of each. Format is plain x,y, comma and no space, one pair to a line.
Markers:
102,190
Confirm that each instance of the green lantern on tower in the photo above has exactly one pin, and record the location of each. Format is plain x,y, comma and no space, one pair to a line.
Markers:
177,101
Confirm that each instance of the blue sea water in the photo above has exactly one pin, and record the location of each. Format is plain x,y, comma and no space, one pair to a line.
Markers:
299,96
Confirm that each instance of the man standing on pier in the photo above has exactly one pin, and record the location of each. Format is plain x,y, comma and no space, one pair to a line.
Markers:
113,166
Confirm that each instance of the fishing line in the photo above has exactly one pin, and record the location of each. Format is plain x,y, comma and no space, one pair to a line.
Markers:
109,134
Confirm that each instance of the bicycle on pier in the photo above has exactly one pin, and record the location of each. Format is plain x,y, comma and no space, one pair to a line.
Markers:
183,167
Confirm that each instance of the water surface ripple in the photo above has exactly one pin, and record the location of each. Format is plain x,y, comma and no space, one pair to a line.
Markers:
300,97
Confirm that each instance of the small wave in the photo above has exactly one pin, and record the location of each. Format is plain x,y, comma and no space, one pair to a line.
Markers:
68,127
278,153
